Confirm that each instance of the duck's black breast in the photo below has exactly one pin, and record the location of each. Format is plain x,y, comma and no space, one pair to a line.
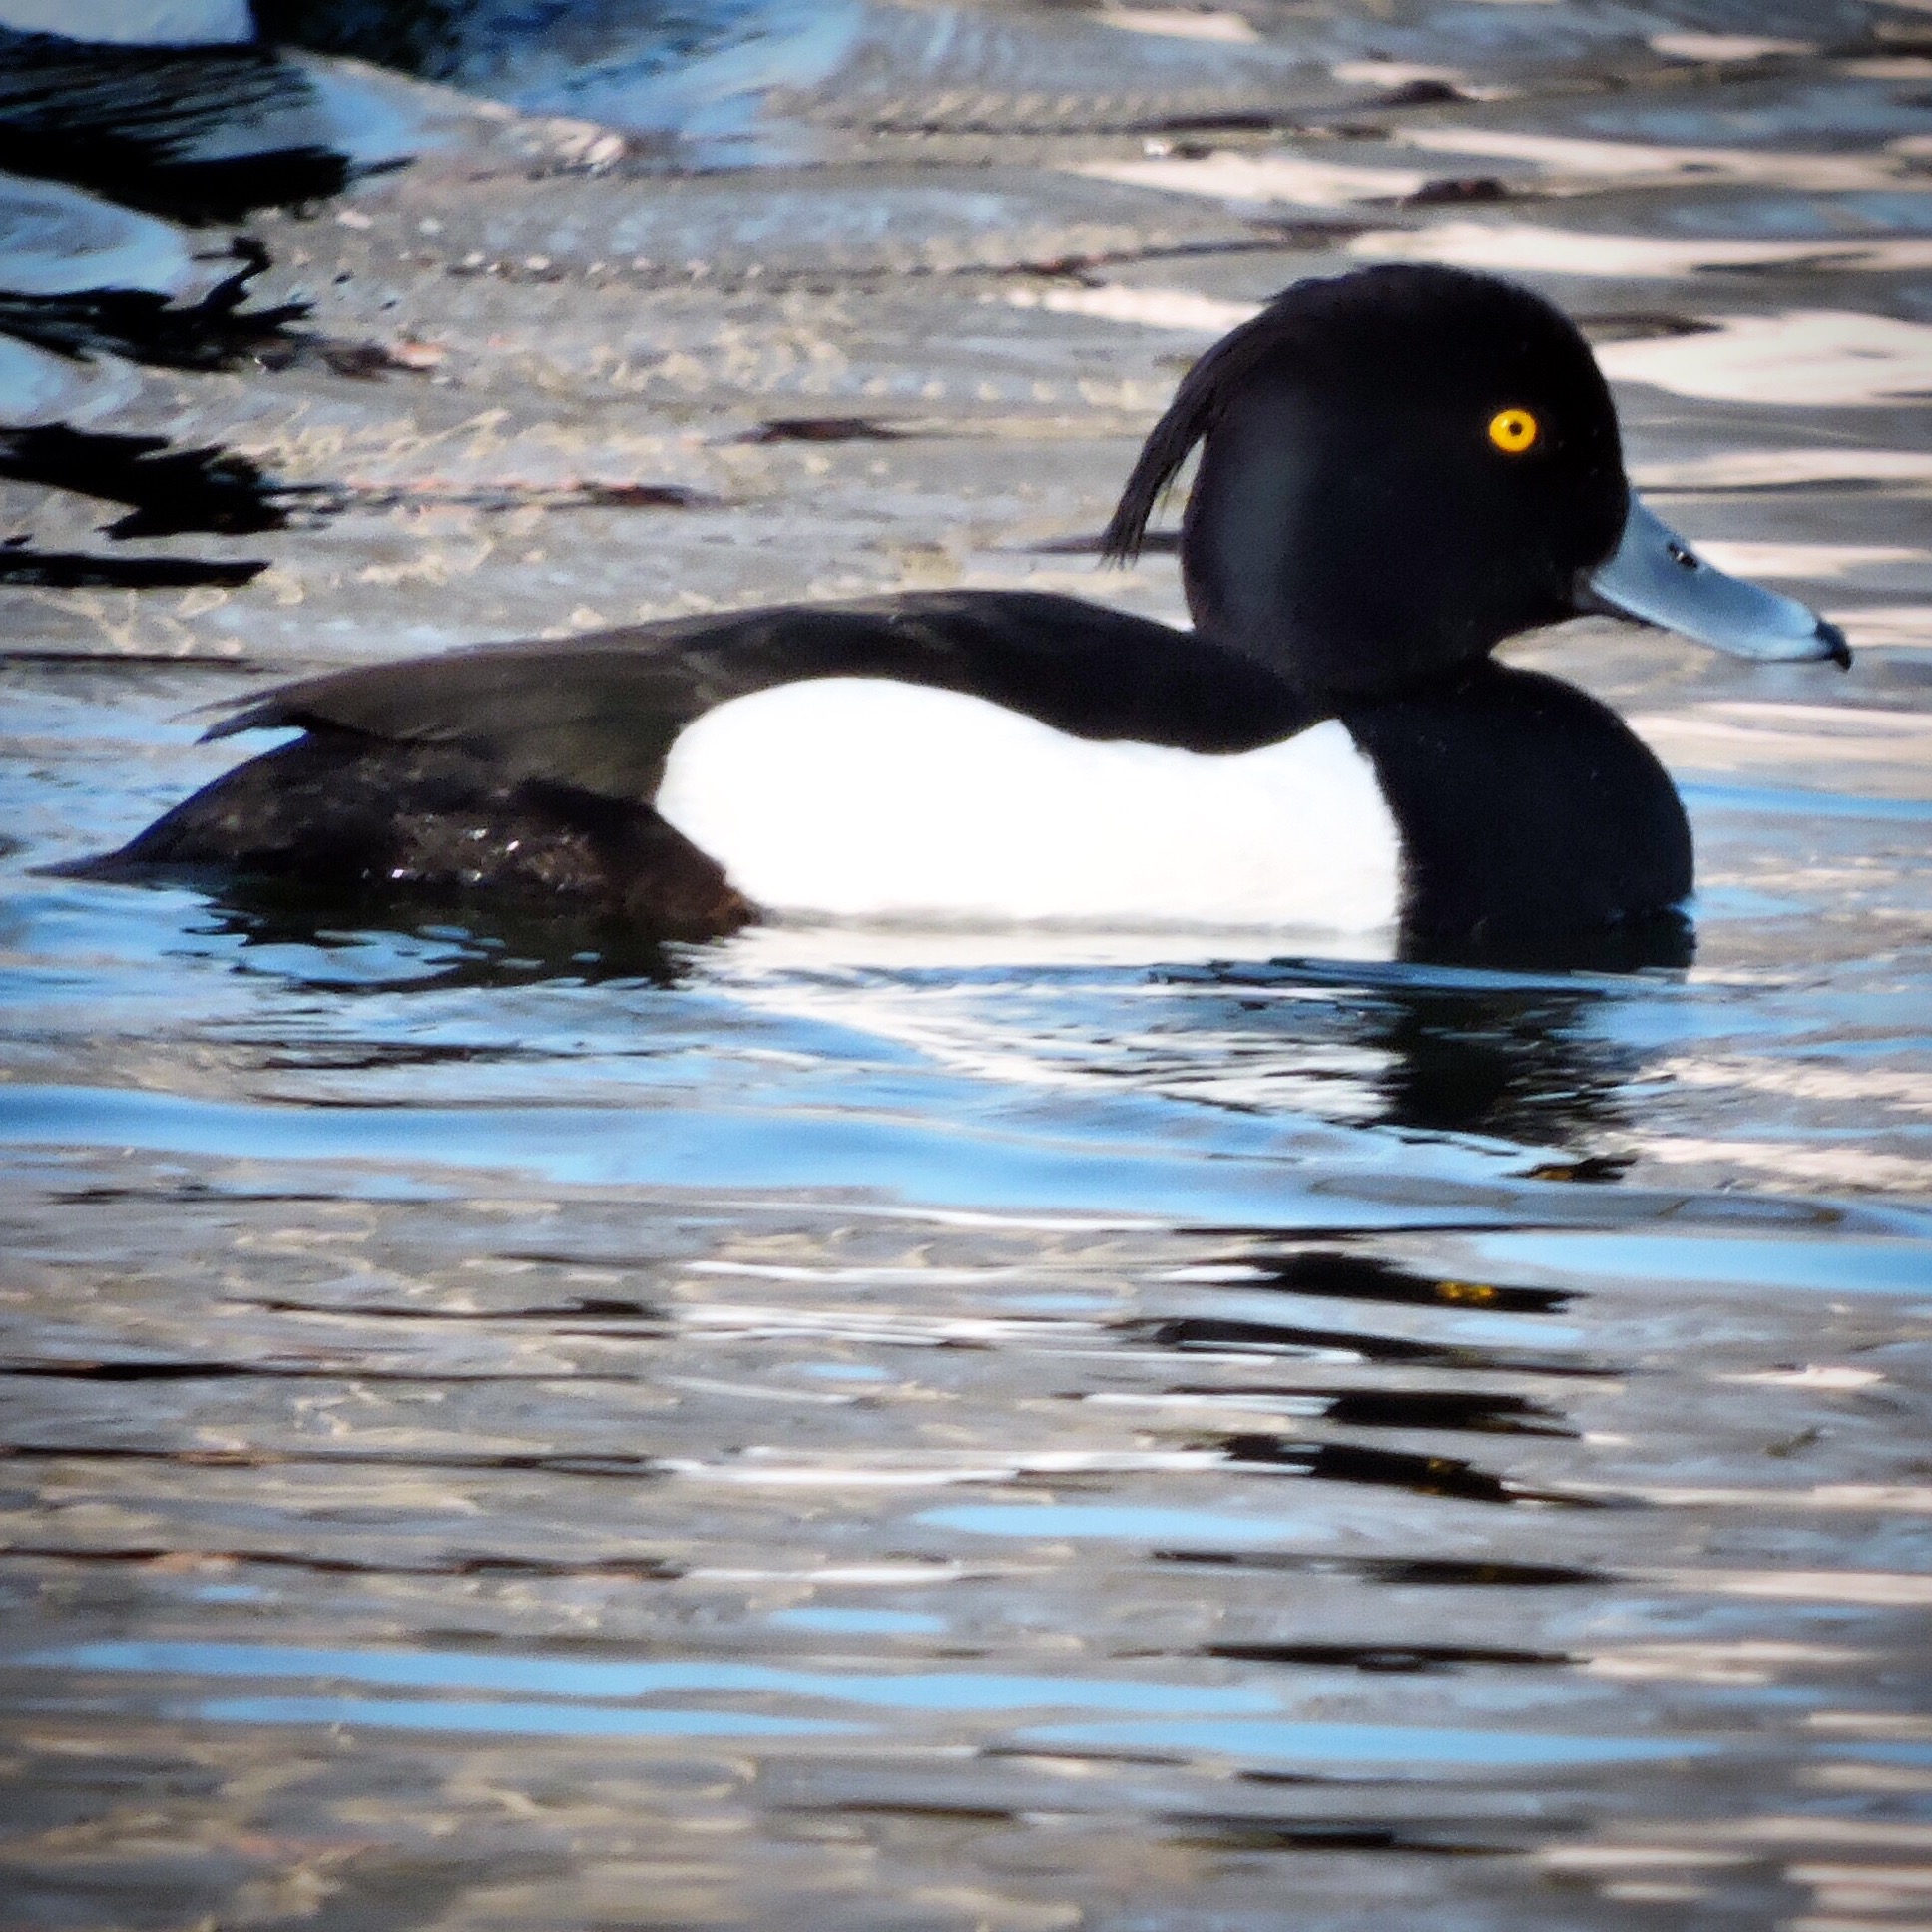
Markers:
1528,813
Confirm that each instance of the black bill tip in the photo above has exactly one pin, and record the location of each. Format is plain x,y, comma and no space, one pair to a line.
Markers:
1837,649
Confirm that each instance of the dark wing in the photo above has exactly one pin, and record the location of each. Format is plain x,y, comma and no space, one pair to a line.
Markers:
600,712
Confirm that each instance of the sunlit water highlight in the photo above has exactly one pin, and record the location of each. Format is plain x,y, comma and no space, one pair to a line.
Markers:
1030,1430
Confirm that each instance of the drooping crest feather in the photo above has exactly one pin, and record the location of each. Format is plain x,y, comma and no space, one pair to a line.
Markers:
1196,406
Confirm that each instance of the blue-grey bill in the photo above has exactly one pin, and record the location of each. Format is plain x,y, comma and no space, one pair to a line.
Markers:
1656,577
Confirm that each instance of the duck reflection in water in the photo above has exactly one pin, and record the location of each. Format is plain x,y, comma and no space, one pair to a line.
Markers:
1533,1066
1540,1059
1401,469
411,940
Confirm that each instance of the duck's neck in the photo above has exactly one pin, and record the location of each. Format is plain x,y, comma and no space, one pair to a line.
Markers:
1529,815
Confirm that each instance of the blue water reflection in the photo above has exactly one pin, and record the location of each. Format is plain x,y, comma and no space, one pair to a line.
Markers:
1149,1526
511,1720
1386,1745
569,1678
857,1623
507,1423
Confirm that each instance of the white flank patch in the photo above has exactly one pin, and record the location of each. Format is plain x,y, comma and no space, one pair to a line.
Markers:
859,798
1808,356
1525,248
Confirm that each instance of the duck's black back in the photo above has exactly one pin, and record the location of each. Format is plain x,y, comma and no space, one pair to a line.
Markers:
1529,815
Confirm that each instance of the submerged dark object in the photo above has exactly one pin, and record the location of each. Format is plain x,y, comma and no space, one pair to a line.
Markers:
167,490
146,325
72,570
1401,468
513,49
200,134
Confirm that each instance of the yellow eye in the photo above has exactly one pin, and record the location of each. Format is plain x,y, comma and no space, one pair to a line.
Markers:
1513,430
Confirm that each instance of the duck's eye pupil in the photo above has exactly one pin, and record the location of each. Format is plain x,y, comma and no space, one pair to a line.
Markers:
1513,430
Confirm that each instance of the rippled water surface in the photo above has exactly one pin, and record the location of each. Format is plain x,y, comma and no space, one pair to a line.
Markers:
1033,1432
